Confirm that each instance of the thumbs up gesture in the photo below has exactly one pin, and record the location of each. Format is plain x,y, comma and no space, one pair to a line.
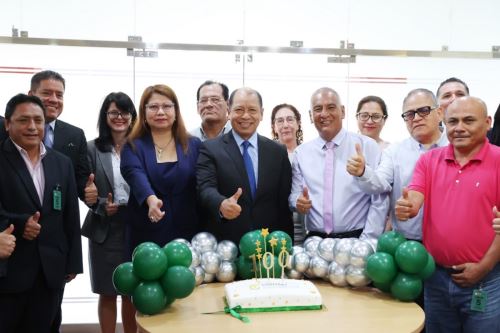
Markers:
496,220
303,204
7,242
90,191
403,206
111,207
32,227
229,207
356,164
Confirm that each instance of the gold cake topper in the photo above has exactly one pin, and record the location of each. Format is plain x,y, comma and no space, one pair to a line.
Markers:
266,260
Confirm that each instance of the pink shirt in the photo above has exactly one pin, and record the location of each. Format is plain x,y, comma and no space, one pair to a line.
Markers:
35,170
458,203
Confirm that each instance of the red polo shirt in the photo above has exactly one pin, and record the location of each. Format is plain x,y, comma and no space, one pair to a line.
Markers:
458,203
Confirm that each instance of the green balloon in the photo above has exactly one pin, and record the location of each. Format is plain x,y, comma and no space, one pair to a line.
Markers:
411,257
384,287
428,269
144,245
247,243
150,263
149,298
380,267
178,254
124,279
245,268
280,235
178,282
406,287
389,241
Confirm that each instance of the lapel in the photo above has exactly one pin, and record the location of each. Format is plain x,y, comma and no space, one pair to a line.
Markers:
51,175
60,136
263,166
104,160
19,166
234,153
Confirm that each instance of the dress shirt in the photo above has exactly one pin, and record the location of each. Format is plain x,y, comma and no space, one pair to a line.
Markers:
200,133
393,173
35,170
252,151
352,207
49,135
120,186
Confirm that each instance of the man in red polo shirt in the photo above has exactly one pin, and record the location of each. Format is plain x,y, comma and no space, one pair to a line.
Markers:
460,185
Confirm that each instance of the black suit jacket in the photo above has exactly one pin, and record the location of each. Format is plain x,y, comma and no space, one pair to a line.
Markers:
69,140
221,170
57,249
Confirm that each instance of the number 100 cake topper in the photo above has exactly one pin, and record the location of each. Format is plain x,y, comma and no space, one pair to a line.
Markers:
268,259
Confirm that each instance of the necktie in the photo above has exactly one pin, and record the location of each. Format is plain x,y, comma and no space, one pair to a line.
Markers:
48,139
249,167
328,188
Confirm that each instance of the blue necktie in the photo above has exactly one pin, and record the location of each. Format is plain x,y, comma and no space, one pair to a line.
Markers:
249,167
48,139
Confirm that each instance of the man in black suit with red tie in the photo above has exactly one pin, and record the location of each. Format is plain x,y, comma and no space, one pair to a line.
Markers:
244,179
38,197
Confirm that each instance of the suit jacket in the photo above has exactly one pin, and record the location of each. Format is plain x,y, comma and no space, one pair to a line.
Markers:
221,170
96,224
57,250
3,132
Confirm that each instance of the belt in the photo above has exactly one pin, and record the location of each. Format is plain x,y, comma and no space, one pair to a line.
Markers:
347,234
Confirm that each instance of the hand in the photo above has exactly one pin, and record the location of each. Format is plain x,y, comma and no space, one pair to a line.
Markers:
32,228
496,220
7,242
69,277
303,204
111,207
356,164
229,207
155,214
469,275
403,206
90,191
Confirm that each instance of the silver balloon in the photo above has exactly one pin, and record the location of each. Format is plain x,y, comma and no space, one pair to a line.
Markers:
209,278
309,273
204,242
360,251
312,238
325,249
210,262
311,247
336,275
182,240
356,276
199,274
319,266
293,274
227,250
342,252
227,271
297,249
300,262
373,242
195,254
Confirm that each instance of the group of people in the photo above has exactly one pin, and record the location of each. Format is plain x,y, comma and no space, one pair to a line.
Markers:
146,178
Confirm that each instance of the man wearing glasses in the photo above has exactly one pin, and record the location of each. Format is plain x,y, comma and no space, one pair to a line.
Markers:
212,100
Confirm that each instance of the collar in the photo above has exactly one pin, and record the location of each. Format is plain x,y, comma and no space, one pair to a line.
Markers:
449,154
441,142
239,140
23,151
52,124
337,140
225,128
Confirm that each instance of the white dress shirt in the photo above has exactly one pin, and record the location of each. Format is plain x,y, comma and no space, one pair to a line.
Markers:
393,173
352,207
36,170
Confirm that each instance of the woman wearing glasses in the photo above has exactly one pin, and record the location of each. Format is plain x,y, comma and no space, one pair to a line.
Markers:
371,115
158,163
105,222
286,129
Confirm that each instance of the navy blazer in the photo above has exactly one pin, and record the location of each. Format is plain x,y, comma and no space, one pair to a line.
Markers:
221,170
57,249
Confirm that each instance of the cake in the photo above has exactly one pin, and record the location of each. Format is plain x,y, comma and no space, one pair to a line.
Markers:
257,295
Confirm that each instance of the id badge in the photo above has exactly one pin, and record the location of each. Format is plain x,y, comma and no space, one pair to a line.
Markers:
56,198
479,299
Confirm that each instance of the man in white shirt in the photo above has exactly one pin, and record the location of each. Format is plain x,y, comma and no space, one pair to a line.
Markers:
334,204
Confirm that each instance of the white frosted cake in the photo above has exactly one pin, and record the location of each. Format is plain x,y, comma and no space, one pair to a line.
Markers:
273,295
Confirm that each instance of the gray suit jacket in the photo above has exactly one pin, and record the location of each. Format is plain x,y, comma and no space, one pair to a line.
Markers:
96,224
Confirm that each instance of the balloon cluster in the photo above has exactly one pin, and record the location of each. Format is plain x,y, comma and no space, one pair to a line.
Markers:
156,276
340,261
399,266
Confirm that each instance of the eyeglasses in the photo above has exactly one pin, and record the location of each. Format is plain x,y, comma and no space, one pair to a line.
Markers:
423,112
156,107
116,114
211,99
281,121
376,117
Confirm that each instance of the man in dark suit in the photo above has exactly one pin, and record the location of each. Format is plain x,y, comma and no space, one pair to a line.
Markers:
38,196
244,179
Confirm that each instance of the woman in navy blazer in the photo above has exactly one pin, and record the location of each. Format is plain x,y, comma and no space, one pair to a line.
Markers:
158,163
